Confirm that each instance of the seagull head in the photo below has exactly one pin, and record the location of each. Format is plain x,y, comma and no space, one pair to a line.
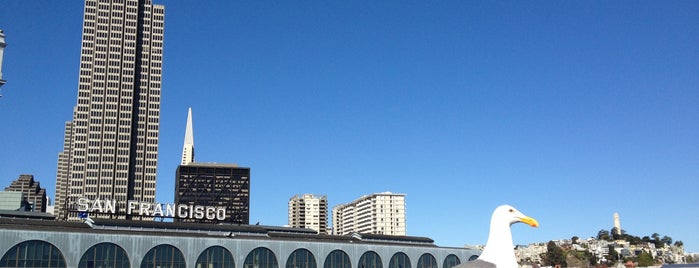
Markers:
511,215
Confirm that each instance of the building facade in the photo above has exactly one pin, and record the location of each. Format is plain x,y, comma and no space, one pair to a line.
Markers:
115,243
380,213
309,211
32,192
111,145
10,200
215,185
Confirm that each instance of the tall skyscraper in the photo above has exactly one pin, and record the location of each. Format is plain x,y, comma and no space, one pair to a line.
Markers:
380,213
188,148
111,146
309,211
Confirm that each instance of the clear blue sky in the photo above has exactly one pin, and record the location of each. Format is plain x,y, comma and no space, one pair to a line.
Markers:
568,110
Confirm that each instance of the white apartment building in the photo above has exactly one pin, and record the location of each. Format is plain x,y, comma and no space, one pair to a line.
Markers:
110,149
379,213
309,211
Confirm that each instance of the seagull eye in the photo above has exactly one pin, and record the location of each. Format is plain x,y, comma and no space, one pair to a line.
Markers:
512,210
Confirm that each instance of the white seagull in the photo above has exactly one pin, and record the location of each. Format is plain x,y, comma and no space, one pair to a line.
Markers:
499,251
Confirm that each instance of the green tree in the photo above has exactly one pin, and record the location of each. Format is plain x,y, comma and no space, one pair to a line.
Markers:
667,240
575,239
656,240
603,235
616,233
613,256
585,256
633,240
554,255
645,259
679,243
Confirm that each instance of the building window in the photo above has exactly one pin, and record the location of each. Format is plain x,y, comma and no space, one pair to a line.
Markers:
33,253
400,260
261,258
216,256
337,259
105,255
451,261
427,261
163,256
301,258
370,260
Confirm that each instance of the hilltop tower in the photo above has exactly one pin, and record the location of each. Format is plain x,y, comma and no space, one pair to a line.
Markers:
617,223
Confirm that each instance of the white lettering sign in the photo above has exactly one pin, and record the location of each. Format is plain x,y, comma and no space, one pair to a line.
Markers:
133,207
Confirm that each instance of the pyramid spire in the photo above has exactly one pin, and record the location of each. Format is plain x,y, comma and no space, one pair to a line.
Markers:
188,148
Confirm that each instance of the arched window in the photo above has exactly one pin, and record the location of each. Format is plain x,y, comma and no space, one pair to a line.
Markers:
427,261
216,256
163,256
399,260
261,258
33,253
450,261
105,255
301,258
337,259
370,260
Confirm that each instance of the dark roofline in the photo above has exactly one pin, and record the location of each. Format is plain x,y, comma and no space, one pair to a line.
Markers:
26,215
396,238
209,164
243,231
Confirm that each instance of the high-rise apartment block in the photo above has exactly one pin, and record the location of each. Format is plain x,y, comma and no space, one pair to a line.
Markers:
309,211
31,191
380,213
110,148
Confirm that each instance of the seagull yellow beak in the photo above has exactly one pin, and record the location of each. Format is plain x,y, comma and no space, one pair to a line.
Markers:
530,221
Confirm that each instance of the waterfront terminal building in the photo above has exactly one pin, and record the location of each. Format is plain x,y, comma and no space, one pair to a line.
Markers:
42,242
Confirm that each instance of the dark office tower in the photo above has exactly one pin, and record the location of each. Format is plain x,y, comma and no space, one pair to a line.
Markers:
215,185
32,192
111,145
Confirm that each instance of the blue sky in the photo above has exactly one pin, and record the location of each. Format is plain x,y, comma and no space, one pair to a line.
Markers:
568,110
